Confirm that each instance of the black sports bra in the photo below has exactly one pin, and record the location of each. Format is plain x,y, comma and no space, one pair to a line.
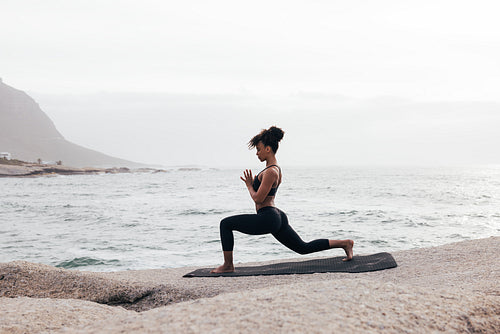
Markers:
256,182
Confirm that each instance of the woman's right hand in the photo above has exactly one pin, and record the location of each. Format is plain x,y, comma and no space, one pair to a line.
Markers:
248,178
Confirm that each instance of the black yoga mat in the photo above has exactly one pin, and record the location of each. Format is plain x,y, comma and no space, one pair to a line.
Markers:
358,264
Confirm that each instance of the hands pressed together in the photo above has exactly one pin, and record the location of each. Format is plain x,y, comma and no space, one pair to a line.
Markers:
248,178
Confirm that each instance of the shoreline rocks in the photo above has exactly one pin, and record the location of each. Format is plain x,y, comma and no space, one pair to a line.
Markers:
36,170
449,288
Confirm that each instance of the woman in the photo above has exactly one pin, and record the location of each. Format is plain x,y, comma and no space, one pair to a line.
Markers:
269,219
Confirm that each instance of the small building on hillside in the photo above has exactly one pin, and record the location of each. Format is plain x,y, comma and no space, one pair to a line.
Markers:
5,155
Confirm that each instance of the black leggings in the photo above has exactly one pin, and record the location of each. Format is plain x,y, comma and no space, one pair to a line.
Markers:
268,219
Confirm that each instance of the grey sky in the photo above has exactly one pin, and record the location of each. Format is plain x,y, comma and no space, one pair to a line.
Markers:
270,52
418,49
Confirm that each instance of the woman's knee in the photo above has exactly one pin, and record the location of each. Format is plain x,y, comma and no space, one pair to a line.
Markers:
225,223
298,248
302,250
292,241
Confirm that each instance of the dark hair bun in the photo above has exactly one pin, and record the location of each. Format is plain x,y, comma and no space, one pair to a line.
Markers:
270,137
275,132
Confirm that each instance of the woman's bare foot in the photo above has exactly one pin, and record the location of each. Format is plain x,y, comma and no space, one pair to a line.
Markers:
348,250
225,268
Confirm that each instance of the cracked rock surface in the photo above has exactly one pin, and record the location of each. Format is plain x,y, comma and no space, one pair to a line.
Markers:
34,280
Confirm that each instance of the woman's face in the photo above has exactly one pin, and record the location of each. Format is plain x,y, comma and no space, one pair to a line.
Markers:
262,151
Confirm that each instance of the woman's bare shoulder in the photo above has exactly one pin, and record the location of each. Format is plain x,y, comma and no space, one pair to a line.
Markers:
272,172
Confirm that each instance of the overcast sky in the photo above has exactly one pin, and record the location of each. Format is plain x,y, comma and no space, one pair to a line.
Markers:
77,56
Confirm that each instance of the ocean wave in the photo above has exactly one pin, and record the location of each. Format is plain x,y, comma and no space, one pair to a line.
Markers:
378,242
85,262
195,212
153,221
339,213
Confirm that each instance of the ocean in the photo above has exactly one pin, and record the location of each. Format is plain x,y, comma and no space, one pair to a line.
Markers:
131,221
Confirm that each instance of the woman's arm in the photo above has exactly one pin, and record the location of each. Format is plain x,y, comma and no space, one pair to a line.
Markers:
269,177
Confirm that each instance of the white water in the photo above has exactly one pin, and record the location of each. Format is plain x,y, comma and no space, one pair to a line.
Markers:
145,221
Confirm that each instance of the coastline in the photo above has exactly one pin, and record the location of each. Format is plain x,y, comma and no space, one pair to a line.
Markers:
450,288
35,170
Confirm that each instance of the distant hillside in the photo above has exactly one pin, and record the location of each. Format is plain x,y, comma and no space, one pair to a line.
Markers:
28,134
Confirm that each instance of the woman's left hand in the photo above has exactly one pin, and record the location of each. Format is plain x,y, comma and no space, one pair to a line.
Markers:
248,178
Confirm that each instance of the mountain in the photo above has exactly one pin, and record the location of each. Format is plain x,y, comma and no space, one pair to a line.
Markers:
28,134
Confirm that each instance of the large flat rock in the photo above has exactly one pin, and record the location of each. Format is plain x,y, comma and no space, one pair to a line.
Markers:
450,288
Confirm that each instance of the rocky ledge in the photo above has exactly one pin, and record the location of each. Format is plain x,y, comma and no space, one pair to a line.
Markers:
445,289
32,170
